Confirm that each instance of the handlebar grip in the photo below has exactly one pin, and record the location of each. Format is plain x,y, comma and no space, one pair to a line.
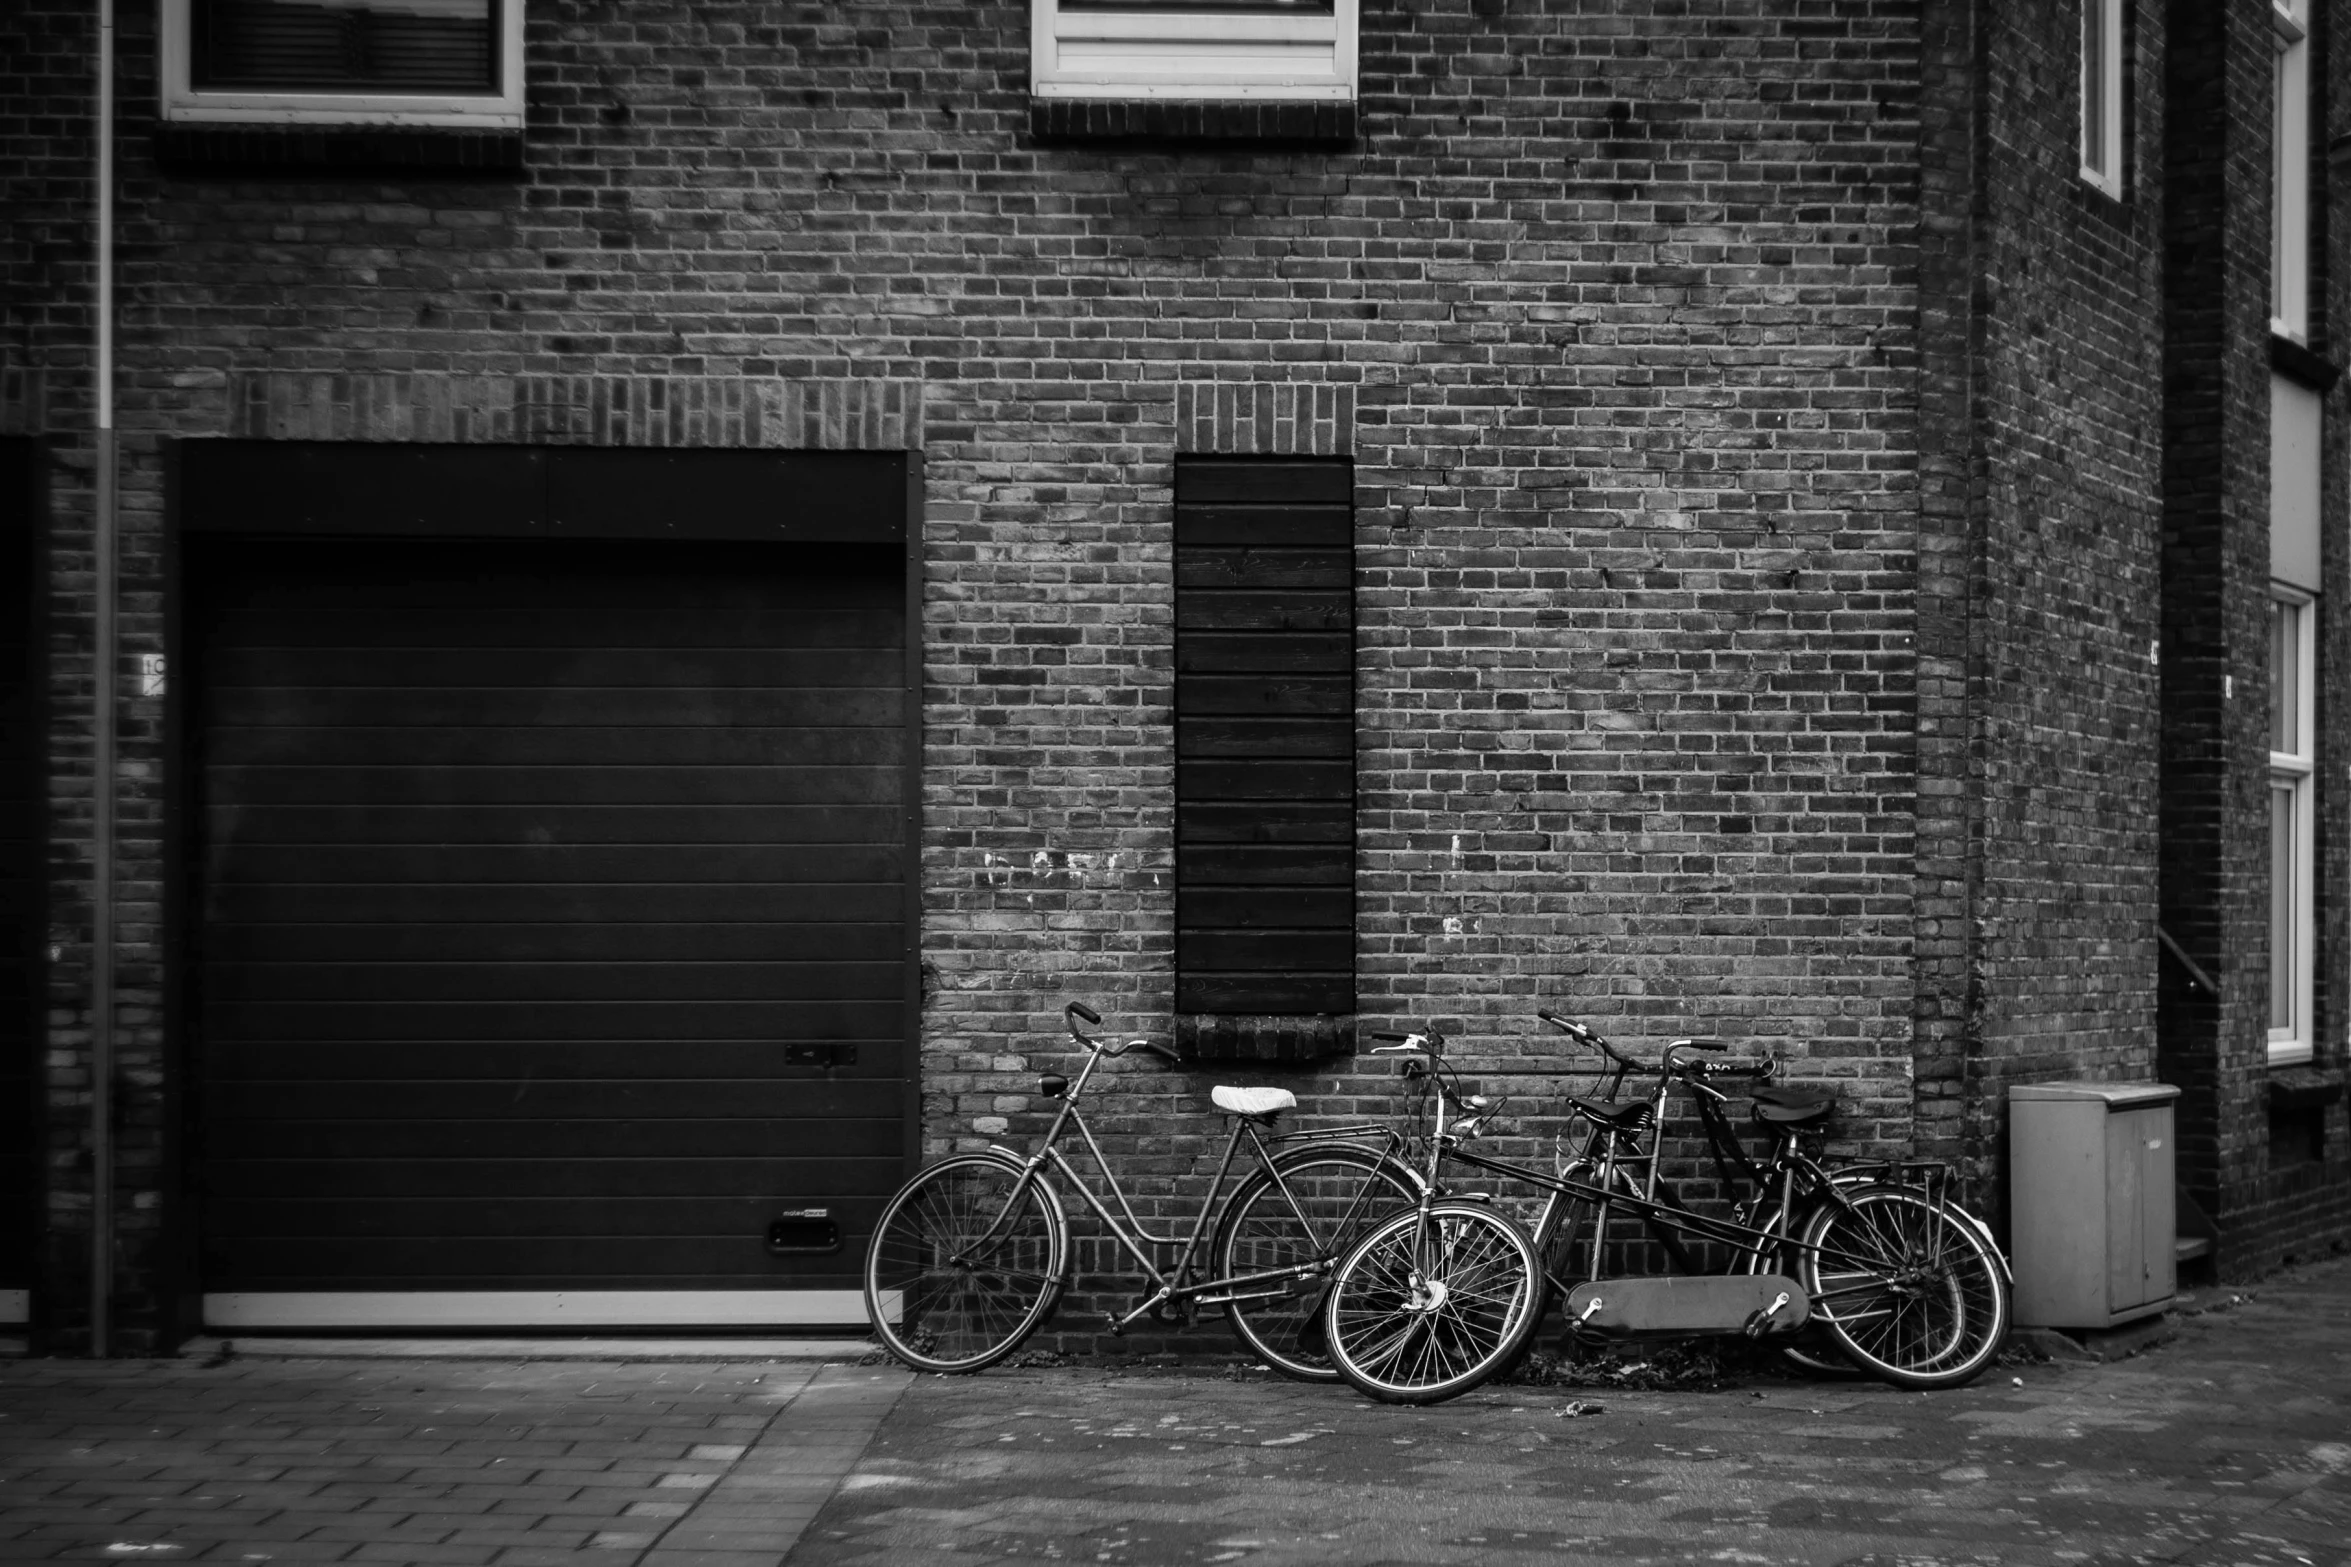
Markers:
1391,1038
1706,1044
1162,1052
1080,1009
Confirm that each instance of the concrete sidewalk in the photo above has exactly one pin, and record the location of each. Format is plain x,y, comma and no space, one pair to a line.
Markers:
2230,1444
521,1464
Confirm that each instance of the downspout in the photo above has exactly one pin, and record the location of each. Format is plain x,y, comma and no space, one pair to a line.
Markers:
102,550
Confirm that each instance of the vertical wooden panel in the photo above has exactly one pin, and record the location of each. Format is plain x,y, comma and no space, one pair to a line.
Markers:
1265,737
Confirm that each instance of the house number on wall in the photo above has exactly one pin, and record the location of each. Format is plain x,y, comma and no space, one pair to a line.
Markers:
150,674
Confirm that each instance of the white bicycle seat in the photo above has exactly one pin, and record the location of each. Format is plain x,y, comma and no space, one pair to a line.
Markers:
1253,1101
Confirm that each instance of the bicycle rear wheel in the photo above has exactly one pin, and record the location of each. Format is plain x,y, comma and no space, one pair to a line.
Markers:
966,1262
1424,1310
1325,1198
1906,1288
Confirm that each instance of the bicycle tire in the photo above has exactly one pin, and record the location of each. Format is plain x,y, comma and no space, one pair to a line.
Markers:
1338,1190
956,1311
1421,1312
1907,1288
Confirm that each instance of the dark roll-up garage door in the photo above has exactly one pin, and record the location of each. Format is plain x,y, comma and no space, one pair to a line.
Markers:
22,893
549,932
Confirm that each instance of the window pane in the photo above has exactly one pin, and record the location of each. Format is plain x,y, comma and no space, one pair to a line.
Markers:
2094,84
2281,906
344,45
2285,705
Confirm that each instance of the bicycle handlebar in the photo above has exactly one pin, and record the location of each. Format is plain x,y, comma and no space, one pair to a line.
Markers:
1078,1009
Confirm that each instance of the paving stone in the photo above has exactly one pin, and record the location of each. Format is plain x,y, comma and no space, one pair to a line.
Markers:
425,1462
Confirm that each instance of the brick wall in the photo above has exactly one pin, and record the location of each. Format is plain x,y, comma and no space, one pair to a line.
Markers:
1617,315
2038,711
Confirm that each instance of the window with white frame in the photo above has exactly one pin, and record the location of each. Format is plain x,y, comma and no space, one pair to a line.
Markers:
2289,234
2102,23
2293,756
1282,51
445,63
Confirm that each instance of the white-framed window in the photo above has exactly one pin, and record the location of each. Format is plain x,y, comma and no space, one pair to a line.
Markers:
2293,861
2289,230
452,63
1283,51
2102,23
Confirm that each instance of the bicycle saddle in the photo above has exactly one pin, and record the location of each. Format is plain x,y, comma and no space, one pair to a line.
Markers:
1789,1096
1801,1113
1257,1102
1611,1112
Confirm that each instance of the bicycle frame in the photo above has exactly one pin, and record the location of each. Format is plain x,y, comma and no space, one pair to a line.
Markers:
1614,1189
1173,1287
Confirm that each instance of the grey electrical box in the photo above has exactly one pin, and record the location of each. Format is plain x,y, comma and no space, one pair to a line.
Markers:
2091,1224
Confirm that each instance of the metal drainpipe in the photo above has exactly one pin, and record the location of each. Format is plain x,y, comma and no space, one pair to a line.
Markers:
102,546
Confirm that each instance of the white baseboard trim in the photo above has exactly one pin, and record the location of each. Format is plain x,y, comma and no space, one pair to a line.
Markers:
538,1309
16,1306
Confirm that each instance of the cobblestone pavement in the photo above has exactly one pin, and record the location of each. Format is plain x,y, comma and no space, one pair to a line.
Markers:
531,1464
2230,1444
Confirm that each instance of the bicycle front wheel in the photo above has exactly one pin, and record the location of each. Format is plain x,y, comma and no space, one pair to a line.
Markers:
1907,1289
965,1263
1306,1220
1424,1309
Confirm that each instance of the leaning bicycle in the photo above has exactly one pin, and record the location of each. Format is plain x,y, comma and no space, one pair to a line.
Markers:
973,1254
1902,1287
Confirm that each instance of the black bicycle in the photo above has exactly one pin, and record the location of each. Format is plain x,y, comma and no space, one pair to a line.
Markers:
1431,1302
973,1254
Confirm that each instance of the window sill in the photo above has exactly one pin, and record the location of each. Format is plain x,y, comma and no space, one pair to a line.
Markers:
1191,119
2297,363
198,148
1265,1040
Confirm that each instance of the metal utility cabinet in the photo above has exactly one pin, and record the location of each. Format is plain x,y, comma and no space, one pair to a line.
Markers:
2091,1219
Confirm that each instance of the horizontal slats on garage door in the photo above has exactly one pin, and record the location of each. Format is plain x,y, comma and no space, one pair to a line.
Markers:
22,894
538,880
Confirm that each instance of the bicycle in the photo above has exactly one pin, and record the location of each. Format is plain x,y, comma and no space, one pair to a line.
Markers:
972,1255
1903,1289
1786,1186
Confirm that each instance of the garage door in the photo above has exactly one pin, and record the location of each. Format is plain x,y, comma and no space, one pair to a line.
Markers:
549,933
22,900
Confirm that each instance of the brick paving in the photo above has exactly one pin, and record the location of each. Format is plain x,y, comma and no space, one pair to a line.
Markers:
523,1464
2229,1446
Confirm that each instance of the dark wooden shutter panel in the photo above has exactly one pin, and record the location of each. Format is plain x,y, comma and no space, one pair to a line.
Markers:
1265,746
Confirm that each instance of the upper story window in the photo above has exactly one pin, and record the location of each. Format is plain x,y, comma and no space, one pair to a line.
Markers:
2293,859
1282,51
451,63
2289,306
2102,22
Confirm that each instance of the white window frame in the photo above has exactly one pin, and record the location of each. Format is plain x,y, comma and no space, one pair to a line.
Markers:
2294,773
2101,95
184,104
1172,52
2289,307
